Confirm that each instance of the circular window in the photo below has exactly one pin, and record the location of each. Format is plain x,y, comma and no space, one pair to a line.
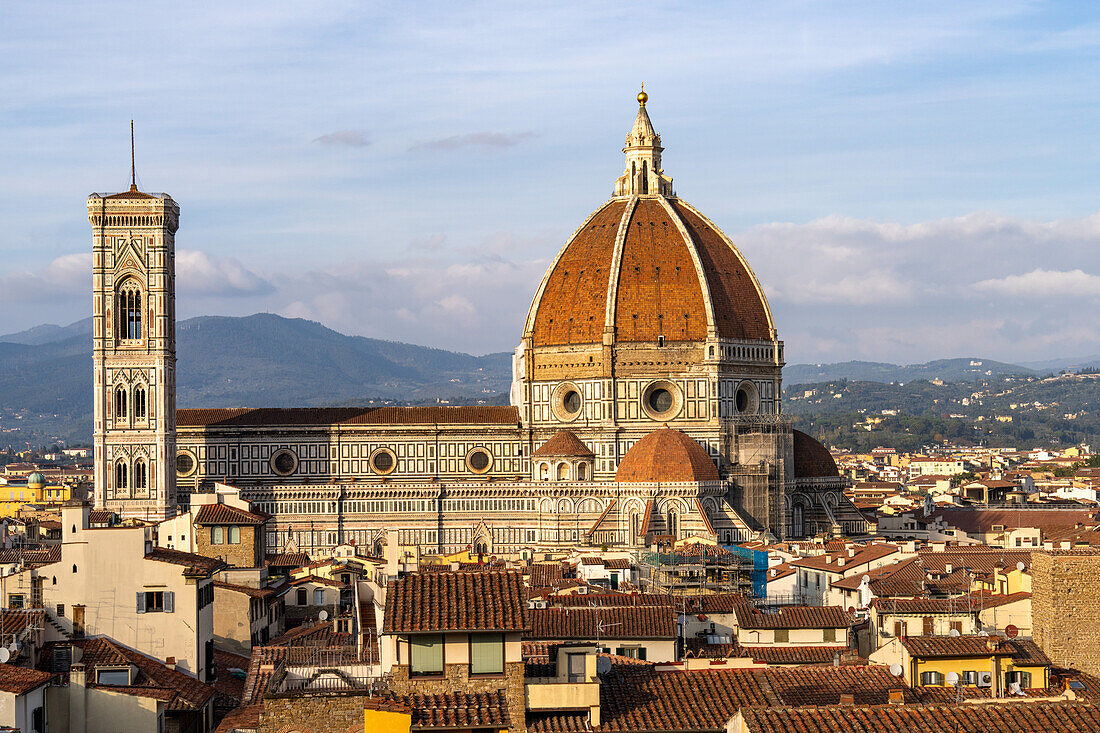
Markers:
284,462
185,463
746,400
383,461
479,460
567,402
661,400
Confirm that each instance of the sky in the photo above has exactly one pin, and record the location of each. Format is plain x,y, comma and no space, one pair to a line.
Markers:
910,181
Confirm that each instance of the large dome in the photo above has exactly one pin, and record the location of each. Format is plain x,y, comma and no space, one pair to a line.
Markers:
647,265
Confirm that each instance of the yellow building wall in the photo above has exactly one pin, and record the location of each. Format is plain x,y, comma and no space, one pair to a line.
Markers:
943,666
385,721
14,498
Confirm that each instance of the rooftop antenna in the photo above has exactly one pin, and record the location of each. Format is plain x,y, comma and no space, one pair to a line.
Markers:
133,168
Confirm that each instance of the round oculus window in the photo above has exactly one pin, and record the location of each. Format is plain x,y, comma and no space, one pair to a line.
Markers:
383,461
745,398
660,400
571,402
185,463
284,462
479,460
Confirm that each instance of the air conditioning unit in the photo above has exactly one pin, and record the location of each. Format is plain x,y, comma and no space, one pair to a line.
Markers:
985,679
541,604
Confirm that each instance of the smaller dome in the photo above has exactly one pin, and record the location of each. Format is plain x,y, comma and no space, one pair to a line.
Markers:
811,458
666,455
565,443
36,480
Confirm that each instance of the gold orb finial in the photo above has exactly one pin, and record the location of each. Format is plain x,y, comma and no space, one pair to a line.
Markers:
642,96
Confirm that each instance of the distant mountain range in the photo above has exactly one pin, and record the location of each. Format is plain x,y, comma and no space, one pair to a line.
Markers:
268,360
261,360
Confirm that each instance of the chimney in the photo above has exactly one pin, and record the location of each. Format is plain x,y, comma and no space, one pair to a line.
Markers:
851,552
847,699
897,697
78,704
948,568
992,642
170,662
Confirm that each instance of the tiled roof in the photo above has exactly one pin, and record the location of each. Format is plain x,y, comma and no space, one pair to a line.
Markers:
811,458
641,622
564,443
317,580
269,416
492,600
699,649
287,560
265,592
194,565
794,617
225,514
831,561
459,710
666,455
20,680
717,603
974,645
229,687
32,557
613,598
241,719
1045,717
180,690
973,521
16,621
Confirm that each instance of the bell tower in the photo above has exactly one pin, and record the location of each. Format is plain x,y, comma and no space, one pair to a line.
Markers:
134,350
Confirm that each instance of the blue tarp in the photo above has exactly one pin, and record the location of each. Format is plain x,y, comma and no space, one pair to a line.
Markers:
759,561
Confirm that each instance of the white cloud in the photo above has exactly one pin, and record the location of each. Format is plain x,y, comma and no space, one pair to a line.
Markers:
345,138
62,278
1044,283
198,273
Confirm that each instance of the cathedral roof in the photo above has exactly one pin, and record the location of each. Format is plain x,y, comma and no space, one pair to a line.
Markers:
666,455
258,417
811,458
645,265
564,443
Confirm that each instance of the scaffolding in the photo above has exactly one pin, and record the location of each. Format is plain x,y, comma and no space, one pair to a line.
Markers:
698,570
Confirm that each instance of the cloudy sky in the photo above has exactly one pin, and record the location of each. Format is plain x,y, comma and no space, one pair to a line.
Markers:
909,180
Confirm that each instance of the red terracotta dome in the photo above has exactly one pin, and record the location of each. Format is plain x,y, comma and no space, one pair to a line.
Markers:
666,455
811,458
647,264
564,444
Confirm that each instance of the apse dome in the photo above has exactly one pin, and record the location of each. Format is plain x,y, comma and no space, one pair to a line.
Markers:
666,455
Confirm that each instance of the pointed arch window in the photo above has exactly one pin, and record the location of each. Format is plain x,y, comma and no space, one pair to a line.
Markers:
121,403
139,402
140,474
129,311
121,475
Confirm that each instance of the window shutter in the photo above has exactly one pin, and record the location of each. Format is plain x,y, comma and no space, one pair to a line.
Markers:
140,602
169,601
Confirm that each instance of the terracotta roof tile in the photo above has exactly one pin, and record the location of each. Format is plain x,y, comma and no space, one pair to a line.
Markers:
459,710
194,565
225,514
564,443
266,416
666,455
287,560
794,617
20,680
618,622
492,600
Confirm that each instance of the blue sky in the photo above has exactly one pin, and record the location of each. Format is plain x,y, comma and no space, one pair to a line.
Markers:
910,181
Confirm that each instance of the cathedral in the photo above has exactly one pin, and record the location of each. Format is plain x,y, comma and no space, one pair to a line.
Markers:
644,406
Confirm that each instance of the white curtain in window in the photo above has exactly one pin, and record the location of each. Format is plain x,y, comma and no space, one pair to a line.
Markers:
426,654
486,653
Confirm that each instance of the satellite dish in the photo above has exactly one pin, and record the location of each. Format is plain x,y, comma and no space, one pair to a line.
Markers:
866,579
5,655
952,678
953,632
323,615
603,665
983,633
896,670
1011,631
1020,566
14,647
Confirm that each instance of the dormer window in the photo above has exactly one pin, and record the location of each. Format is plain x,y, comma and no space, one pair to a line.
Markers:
112,676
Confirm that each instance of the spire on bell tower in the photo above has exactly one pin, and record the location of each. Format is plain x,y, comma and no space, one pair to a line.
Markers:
133,167
643,175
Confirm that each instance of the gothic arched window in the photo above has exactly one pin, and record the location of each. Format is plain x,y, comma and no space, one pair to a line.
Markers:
120,403
140,475
139,402
121,475
563,471
129,311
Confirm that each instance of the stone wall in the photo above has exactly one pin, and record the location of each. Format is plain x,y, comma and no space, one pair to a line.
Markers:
241,554
456,678
314,714
1064,609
